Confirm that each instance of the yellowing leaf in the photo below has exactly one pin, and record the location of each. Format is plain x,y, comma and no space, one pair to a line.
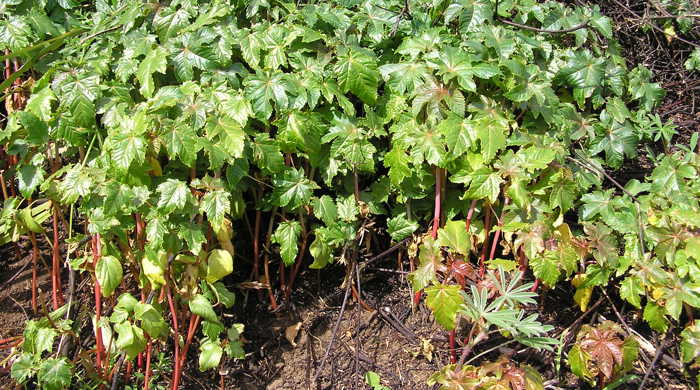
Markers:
454,235
219,264
444,301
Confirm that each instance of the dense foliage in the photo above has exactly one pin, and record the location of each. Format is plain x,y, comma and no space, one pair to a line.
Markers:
172,129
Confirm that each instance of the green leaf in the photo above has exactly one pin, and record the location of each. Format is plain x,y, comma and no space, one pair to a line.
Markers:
153,266
155,61
78,94
325,209
210,353
37,130
151,320
654,316
578,361
459,135
219,264
397,161
174,195
584,71
15,33
431,262
484,184
267,155
347,208
22,368
631,290
264,88
224,295
131,339
193,235
601,23
357,72
400,227
212,330
188,53
108,272
321,252
127,302
128,148
39,103
693,61
292,189
640,87
55,374
445,301
216,204
454,63
690,342
455,236
546,269
287,237
492,136
201,306
29,177
170,20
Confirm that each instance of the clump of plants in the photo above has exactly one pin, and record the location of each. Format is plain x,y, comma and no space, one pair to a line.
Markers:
602,353
183,147
501,374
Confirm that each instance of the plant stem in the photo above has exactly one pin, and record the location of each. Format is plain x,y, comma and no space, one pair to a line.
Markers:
453,351
194,322
147,377
56,290
3,186
300,256
438,201
97,254
497,235
176,329
470,214
487,229
481,336
140,229
266,264
256,246
35,256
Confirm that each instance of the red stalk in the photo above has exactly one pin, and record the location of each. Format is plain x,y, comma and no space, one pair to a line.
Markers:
438,201
470,214
11,345
176,329
256,246
97,254
10,340
266,263
3,186
194,322
56,290
299,259
497,235
283,276
436,219
416,297
129,369
35,257
487,229
453,350
147,378
140,228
